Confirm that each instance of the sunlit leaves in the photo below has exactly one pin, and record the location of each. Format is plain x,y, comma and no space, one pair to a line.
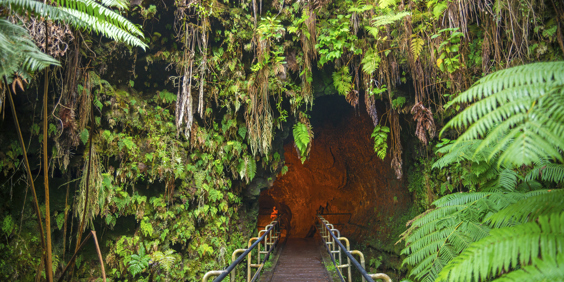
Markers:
342,80
380,135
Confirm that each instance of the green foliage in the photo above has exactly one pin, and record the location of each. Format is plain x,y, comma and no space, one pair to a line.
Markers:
8,225
342,81
448,52
416,47
84,136
18,53
84,14
370,61
302,139
139,262
550,268
380,135
520,110
506,248
443,243
335,39
388,18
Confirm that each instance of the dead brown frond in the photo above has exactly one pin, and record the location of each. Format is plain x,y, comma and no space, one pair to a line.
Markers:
352,98
370,102
425,122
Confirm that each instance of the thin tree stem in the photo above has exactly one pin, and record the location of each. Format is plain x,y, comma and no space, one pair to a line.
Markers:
49,263
28,169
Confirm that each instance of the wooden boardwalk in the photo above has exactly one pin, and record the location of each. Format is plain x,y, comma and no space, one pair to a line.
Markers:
300,260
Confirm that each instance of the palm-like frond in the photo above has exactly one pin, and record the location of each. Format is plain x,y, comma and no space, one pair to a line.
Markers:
505,248
545,202
18,53
547,269
439,235
520,111
389,18
546,171
84,14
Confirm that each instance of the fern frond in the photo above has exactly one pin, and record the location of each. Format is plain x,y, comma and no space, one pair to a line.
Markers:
371,61
520,110
416,47
84,14
463,151
302,138
505,248
342,80
389,18
544,202
439,235
19,54
386,3
548,269
546,171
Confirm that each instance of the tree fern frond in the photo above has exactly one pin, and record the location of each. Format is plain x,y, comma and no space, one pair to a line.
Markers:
514,77
544,202
505,248
520,110
389,18
92,23
84,14
116,3
548,269
546,171
18,53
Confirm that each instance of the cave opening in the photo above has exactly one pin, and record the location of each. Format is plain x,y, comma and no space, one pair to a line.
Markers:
343,179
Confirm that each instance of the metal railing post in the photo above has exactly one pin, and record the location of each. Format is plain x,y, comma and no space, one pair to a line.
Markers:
233,258
329,230
362,262
212,273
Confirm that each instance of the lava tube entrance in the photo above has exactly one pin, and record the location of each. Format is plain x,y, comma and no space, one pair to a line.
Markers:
343,178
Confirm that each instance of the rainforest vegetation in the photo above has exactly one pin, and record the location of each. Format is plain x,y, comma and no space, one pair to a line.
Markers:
149,121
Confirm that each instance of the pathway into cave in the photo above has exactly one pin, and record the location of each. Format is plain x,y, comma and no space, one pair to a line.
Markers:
343,179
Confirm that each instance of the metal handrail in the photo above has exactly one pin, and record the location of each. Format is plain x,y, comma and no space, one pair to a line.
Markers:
329,238
269,243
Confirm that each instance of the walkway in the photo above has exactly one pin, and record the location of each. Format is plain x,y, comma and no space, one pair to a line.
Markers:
300,260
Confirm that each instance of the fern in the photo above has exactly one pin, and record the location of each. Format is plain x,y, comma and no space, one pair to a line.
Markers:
437,236
518,111
380,135
18,53
416,47
302,139
139,262
84,14
547,269
389,18
247,168
383,4
544,202
546,171
506,248
342,81
370,61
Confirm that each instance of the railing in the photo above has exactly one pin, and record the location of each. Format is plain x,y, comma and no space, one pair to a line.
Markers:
270,236
334,246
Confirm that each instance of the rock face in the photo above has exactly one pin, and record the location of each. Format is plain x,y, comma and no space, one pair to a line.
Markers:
343,179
